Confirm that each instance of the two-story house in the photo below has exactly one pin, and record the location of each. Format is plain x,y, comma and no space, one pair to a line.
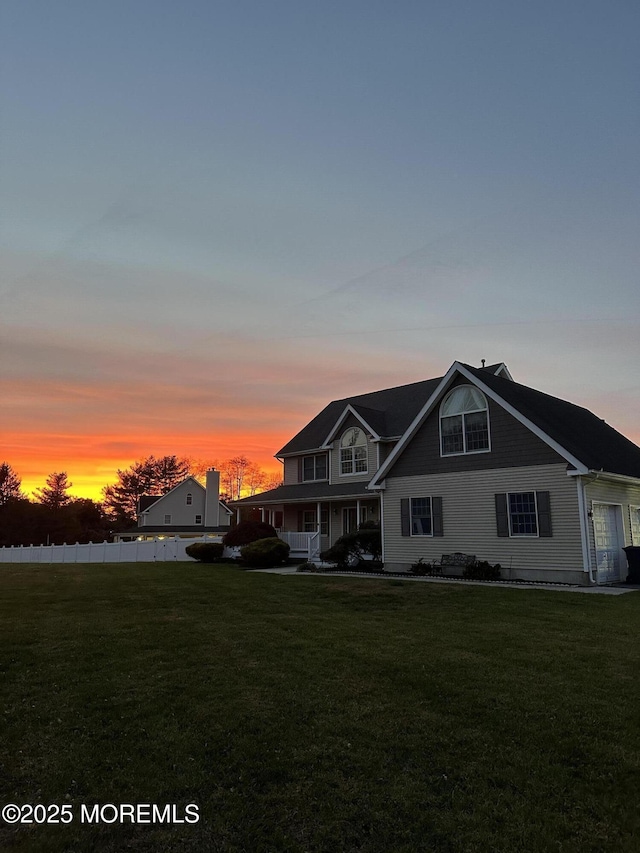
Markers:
471,462
189,510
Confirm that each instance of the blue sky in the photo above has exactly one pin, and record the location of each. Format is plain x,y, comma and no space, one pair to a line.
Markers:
249,209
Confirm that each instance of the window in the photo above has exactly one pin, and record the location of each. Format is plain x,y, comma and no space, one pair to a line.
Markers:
310,524
523,516
189,499
464,422
635,524
314,467
167,519
421,517
198,519
353,452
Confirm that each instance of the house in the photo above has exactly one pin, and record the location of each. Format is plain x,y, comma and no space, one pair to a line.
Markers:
470,462
189,510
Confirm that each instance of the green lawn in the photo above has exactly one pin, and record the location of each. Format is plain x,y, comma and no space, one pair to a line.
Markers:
316,713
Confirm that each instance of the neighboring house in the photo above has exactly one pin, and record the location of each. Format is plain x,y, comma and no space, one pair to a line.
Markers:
471,462
189,510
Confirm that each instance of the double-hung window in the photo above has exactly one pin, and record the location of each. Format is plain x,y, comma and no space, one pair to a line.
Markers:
421,522
635,524
189,499
523,514
353,452
464,422
310,521
314,467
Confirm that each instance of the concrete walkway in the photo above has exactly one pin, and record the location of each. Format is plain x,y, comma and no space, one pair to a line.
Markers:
591,590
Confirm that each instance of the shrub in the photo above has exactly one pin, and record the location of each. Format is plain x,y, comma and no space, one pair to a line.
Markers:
339,554
481,570
206,552
349,548
264,553
420,568
368,538
249,531
309,567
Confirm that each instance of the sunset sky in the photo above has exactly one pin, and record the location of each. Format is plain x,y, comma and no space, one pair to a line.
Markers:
216,217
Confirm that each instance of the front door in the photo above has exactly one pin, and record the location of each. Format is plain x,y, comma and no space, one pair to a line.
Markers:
607,530
349,519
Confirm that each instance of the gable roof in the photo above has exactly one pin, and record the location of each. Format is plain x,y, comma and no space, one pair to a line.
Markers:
583,439
388,413
145,502
584,435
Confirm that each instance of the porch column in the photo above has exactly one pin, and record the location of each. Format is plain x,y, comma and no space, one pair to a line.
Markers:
358,513
318,514
238,515
262,513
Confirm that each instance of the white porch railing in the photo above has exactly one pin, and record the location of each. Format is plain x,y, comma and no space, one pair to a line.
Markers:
302,544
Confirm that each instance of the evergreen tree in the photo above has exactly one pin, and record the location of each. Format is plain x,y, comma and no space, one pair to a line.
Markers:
55,494
149,476
10,484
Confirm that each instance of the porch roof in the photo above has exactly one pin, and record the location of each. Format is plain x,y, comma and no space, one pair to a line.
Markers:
308,492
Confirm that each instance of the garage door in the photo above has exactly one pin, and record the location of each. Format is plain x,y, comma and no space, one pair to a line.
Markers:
607,528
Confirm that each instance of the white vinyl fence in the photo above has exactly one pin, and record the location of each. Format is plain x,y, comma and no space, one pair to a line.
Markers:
154,551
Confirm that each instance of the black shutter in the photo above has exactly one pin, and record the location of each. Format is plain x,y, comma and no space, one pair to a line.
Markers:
436,516
405,518
502,517
544,514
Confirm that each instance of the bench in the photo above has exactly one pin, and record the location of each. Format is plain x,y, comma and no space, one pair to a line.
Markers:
454,561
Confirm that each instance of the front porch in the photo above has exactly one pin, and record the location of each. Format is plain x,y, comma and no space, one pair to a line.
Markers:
312,526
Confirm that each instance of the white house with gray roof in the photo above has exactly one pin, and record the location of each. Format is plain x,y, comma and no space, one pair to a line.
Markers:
470,462
189,510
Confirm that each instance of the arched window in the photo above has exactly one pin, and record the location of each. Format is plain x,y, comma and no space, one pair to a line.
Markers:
189,499
353,452
464,422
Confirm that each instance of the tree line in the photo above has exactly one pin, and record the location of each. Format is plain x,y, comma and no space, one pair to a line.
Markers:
54,516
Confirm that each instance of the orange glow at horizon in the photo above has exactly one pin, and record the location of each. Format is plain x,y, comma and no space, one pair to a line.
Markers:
90,470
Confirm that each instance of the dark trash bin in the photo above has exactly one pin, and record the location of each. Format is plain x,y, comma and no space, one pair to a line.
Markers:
633,559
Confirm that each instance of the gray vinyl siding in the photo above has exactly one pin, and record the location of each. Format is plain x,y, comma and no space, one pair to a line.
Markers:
512,445
291,470
372,456
627,495
469,521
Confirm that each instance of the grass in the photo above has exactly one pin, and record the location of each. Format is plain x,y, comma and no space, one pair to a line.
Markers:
318,714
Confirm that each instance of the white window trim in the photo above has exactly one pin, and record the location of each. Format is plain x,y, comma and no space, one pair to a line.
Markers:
635,507
167,518
462,414
353,448
189,499
421,498
513,535
315,479
198,517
